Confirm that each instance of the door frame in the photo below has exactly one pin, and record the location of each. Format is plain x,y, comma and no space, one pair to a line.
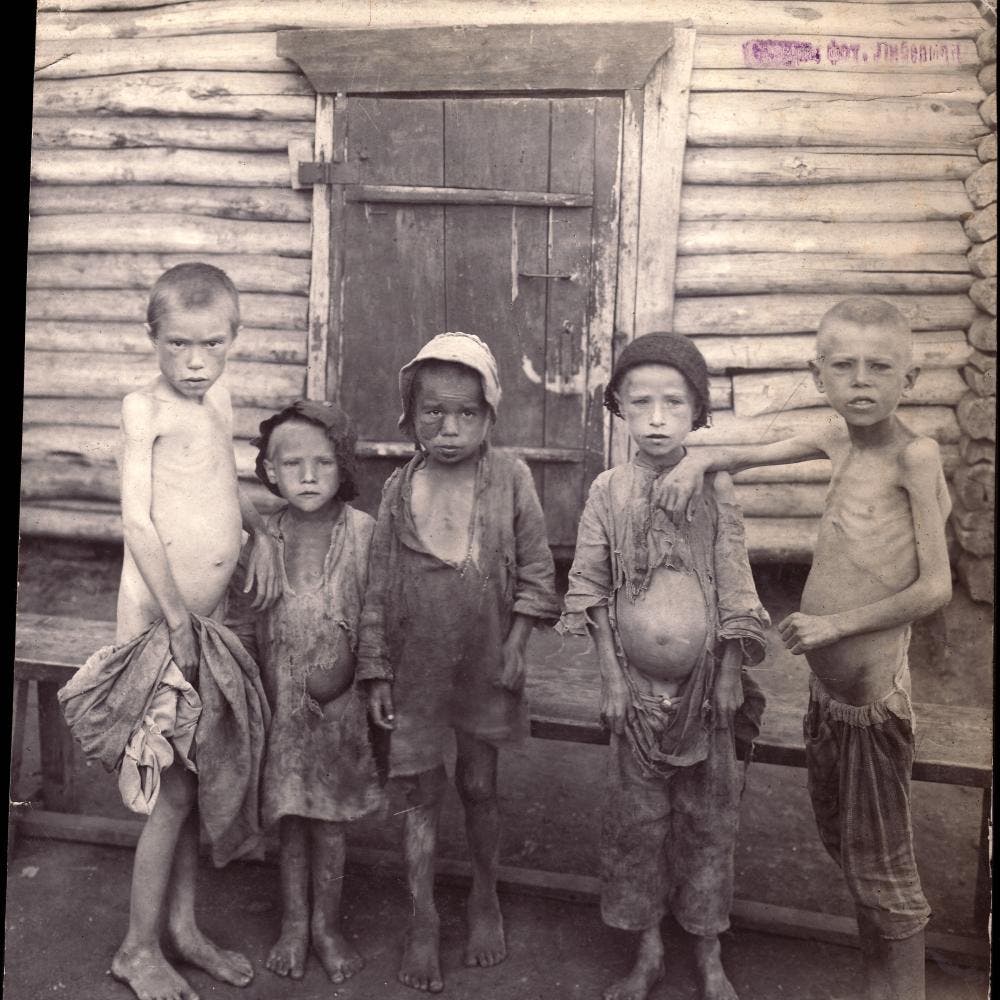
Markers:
648,64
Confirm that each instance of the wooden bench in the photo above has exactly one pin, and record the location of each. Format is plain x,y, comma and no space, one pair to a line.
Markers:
954,747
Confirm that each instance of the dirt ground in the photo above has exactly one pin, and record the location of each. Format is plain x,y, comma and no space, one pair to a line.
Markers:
551,798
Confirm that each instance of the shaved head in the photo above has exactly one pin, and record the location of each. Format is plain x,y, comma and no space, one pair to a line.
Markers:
879,317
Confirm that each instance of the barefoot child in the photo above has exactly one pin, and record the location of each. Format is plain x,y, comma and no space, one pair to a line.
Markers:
460,570
182,513
318,768
880,564
674,616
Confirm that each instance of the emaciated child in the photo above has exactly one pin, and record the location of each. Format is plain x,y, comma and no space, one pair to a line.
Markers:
460,571
674,616
318,773
881,563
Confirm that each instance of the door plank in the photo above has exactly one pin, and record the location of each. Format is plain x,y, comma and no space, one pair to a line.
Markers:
318,335
412,195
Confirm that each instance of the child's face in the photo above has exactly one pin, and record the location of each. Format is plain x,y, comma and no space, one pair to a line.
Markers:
191,347
451,417
863,371
301,462
658,407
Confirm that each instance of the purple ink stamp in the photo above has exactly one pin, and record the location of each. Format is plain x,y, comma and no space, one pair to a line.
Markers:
779,53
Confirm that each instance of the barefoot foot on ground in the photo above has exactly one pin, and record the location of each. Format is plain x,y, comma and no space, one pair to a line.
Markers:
486,945
340,959
287,956
420,967
714,982
636,985
150,975
226,966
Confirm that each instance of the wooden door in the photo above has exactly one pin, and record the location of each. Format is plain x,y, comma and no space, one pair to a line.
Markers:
496,216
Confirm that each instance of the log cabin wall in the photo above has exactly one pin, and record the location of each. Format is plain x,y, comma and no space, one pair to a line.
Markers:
829,146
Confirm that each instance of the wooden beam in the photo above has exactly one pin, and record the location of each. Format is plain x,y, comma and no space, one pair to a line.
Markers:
403,194
664,132
317,338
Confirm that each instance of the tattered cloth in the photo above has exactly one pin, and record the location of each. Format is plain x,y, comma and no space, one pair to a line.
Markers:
109,696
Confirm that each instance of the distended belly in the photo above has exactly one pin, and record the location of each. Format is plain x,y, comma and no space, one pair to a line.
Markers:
663,633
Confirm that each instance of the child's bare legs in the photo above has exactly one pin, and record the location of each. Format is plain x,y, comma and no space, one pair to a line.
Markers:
139,960
420,966
288,955
714,982
476,778
647,971
183,933
339,958
894,970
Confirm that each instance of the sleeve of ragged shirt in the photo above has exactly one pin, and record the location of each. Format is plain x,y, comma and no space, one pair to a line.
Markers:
535,583
741,615
240,617
591,576
373,650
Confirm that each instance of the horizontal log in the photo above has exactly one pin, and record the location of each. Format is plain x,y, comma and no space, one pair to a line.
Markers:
755,165
83,57
855,274
972,451
935,421
948,86
821,237
981,186
988,111
55,519
982,383
978,576
983,259
898,201
65,6
937,349
103,412
395,194
781,539
984,294
224,95
763,119
250,273
983,333
251,344
772,392
982,224
124,305
260,204
975,487
986,44
159,166
979,537
774,314
986,151
837,56
987,77
109,132
781,499
87,374
977,416
166,234
763,18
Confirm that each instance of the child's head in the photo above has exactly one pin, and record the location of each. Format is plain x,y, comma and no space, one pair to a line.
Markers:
450,392
864,359
659,386
305,454
192,319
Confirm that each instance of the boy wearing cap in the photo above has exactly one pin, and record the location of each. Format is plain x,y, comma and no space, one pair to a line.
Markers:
674,617
460,570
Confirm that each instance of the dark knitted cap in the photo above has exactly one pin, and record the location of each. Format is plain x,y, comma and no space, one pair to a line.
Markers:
337,425
664,349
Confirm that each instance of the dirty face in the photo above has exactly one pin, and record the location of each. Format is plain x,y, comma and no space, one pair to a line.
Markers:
302,464
451,417
863,370
658,407
192,345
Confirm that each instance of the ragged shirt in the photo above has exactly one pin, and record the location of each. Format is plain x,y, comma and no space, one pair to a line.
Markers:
623,539
436,629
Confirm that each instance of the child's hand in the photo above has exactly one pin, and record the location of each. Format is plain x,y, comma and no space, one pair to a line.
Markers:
514,666
380,704
678,490
184,646
262,572
801,633
616,704
728,697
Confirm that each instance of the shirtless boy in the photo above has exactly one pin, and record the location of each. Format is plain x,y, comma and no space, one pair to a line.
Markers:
674,616
880,564
460,570
182,514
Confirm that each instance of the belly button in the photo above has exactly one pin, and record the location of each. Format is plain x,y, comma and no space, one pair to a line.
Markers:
218,562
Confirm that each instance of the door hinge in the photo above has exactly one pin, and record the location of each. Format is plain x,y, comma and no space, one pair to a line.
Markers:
328,173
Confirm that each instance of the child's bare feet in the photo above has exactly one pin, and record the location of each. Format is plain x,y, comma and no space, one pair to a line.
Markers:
340,959
715,984
150,975
420,967
647,971
288,954
486,945
226,966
